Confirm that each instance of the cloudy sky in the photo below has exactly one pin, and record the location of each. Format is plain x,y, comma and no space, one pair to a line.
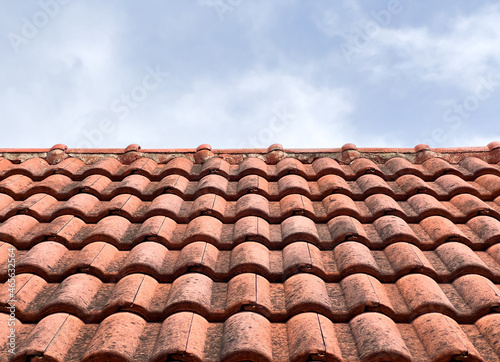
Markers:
249,73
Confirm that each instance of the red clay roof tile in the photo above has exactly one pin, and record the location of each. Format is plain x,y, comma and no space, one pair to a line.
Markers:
345,254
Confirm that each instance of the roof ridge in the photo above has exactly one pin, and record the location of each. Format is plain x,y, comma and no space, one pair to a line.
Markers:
271,155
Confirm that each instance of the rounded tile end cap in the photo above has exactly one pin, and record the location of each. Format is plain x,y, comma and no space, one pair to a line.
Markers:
132,147
275,147
59,146
349,147
203,147
422,147
493,145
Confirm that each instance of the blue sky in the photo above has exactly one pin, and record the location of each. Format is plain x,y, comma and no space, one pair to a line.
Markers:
243,73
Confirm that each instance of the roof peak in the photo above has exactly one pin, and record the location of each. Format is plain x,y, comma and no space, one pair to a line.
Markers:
272,155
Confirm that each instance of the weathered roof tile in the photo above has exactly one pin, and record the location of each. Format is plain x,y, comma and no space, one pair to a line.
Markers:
345,254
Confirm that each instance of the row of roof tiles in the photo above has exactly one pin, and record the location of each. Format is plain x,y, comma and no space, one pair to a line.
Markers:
38,168
274,153
24,231
89,208
466,299
54,262
247,335
445,187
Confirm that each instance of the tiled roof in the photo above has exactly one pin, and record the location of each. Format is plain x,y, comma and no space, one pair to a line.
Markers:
251,255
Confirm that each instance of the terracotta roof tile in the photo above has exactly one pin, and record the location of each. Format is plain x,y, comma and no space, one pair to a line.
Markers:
345,254
377,338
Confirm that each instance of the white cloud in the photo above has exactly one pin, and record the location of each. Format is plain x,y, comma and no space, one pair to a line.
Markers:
241,113
228,78
339,21
329,22
64,72
465,50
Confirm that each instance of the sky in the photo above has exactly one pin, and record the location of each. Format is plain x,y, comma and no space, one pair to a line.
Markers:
249,73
